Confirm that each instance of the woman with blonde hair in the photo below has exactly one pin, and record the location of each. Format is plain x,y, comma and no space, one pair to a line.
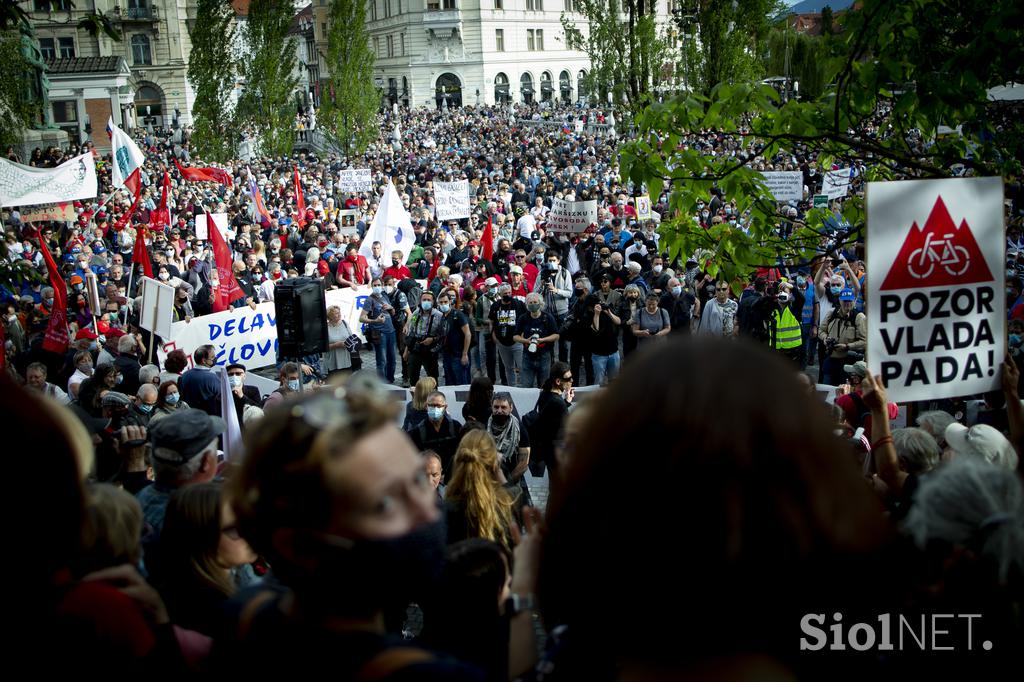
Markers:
259,249
478,504
416,409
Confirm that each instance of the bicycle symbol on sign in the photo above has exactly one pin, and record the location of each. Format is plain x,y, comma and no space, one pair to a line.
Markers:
953,257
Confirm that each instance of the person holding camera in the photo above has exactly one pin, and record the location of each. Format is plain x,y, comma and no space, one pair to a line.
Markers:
555,284
426,327
844,333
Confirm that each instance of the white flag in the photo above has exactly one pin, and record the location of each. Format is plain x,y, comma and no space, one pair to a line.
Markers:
27,186
233,434
127,156
391,227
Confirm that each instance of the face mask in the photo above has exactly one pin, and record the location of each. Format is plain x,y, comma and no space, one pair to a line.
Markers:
85,368
444,307
505,298
293,384
165,276
677,290
658,269
145,409
395,262
836,290
389,289
435,413
533,307
376,291
492,290
172,398
552,265
78,287
235,381
48,301
364,575
500,419
426,305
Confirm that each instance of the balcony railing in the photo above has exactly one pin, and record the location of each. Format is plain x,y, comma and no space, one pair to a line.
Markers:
137,13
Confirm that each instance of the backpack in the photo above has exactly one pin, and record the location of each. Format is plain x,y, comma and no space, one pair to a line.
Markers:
412,290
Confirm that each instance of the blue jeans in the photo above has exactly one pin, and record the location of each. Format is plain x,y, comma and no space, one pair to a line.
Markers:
455,373
385,352
605,367
536,367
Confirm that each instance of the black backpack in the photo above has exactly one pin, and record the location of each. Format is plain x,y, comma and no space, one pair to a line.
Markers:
412,290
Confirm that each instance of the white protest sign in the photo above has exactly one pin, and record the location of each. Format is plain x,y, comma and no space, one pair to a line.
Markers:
643,207
355,180
347,220
836,184
248,336
451,199
936,308
571,216
157,310
785,185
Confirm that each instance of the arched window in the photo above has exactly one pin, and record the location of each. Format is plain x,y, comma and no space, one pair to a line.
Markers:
448,91
581,85
565,86
501,89
526,88
141,52
547,88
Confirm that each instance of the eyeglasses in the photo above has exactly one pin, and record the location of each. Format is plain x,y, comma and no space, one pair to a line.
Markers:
723,288
568,378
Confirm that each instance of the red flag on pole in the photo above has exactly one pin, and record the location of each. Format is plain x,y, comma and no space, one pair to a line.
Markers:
434,267
134,185
56,338
194,174
488,240
300,201
228,290
140,255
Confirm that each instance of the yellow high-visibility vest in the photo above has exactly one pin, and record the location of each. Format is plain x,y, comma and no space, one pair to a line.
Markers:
787,329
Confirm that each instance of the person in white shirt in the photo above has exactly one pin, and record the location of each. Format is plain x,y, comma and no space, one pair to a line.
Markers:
539,210
83,370
526,225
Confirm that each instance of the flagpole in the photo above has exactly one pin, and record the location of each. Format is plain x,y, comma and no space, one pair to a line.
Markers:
128,294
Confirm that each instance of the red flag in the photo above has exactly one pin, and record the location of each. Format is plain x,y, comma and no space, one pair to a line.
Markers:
140,254
161,217
205,174
228,290
434,267
257,199
300,201
56,338
488,239
134,185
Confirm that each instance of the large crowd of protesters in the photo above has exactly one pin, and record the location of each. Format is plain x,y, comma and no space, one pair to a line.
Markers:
703,500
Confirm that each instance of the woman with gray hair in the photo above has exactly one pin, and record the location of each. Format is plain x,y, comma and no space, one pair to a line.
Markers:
936,422
974,505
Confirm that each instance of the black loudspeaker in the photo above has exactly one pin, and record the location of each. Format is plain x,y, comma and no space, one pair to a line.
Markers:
300,307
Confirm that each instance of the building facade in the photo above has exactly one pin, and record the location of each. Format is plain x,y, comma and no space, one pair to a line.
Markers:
155,47
469,52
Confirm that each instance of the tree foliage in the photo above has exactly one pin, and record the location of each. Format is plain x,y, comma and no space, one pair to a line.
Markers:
808,59
19,97
349,109
212,75
900,69
268,65
627,51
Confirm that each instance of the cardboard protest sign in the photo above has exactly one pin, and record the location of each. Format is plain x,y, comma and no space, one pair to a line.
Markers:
836,184
63,211
157,310
785,185
571,216
355,180
643,207
936,307
451,199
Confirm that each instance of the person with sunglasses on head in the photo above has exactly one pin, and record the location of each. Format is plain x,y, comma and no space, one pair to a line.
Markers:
337,499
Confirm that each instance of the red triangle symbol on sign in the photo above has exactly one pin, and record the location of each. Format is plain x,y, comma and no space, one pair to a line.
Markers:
940,254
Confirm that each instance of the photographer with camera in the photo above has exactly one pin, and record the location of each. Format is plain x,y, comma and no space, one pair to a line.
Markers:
554,283
844,333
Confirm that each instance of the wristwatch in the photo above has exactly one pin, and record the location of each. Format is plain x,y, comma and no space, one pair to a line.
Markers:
518,603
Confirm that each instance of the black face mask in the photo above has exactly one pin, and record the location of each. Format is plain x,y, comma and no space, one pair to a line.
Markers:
506,298
360,577
500,420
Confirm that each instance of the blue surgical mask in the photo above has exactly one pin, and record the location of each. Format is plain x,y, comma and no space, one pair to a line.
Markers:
48,301
376,291
293,384
676,290
435,413
426,305
552,265
836,290
144,408
172,398
235,381
444,307
492,290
